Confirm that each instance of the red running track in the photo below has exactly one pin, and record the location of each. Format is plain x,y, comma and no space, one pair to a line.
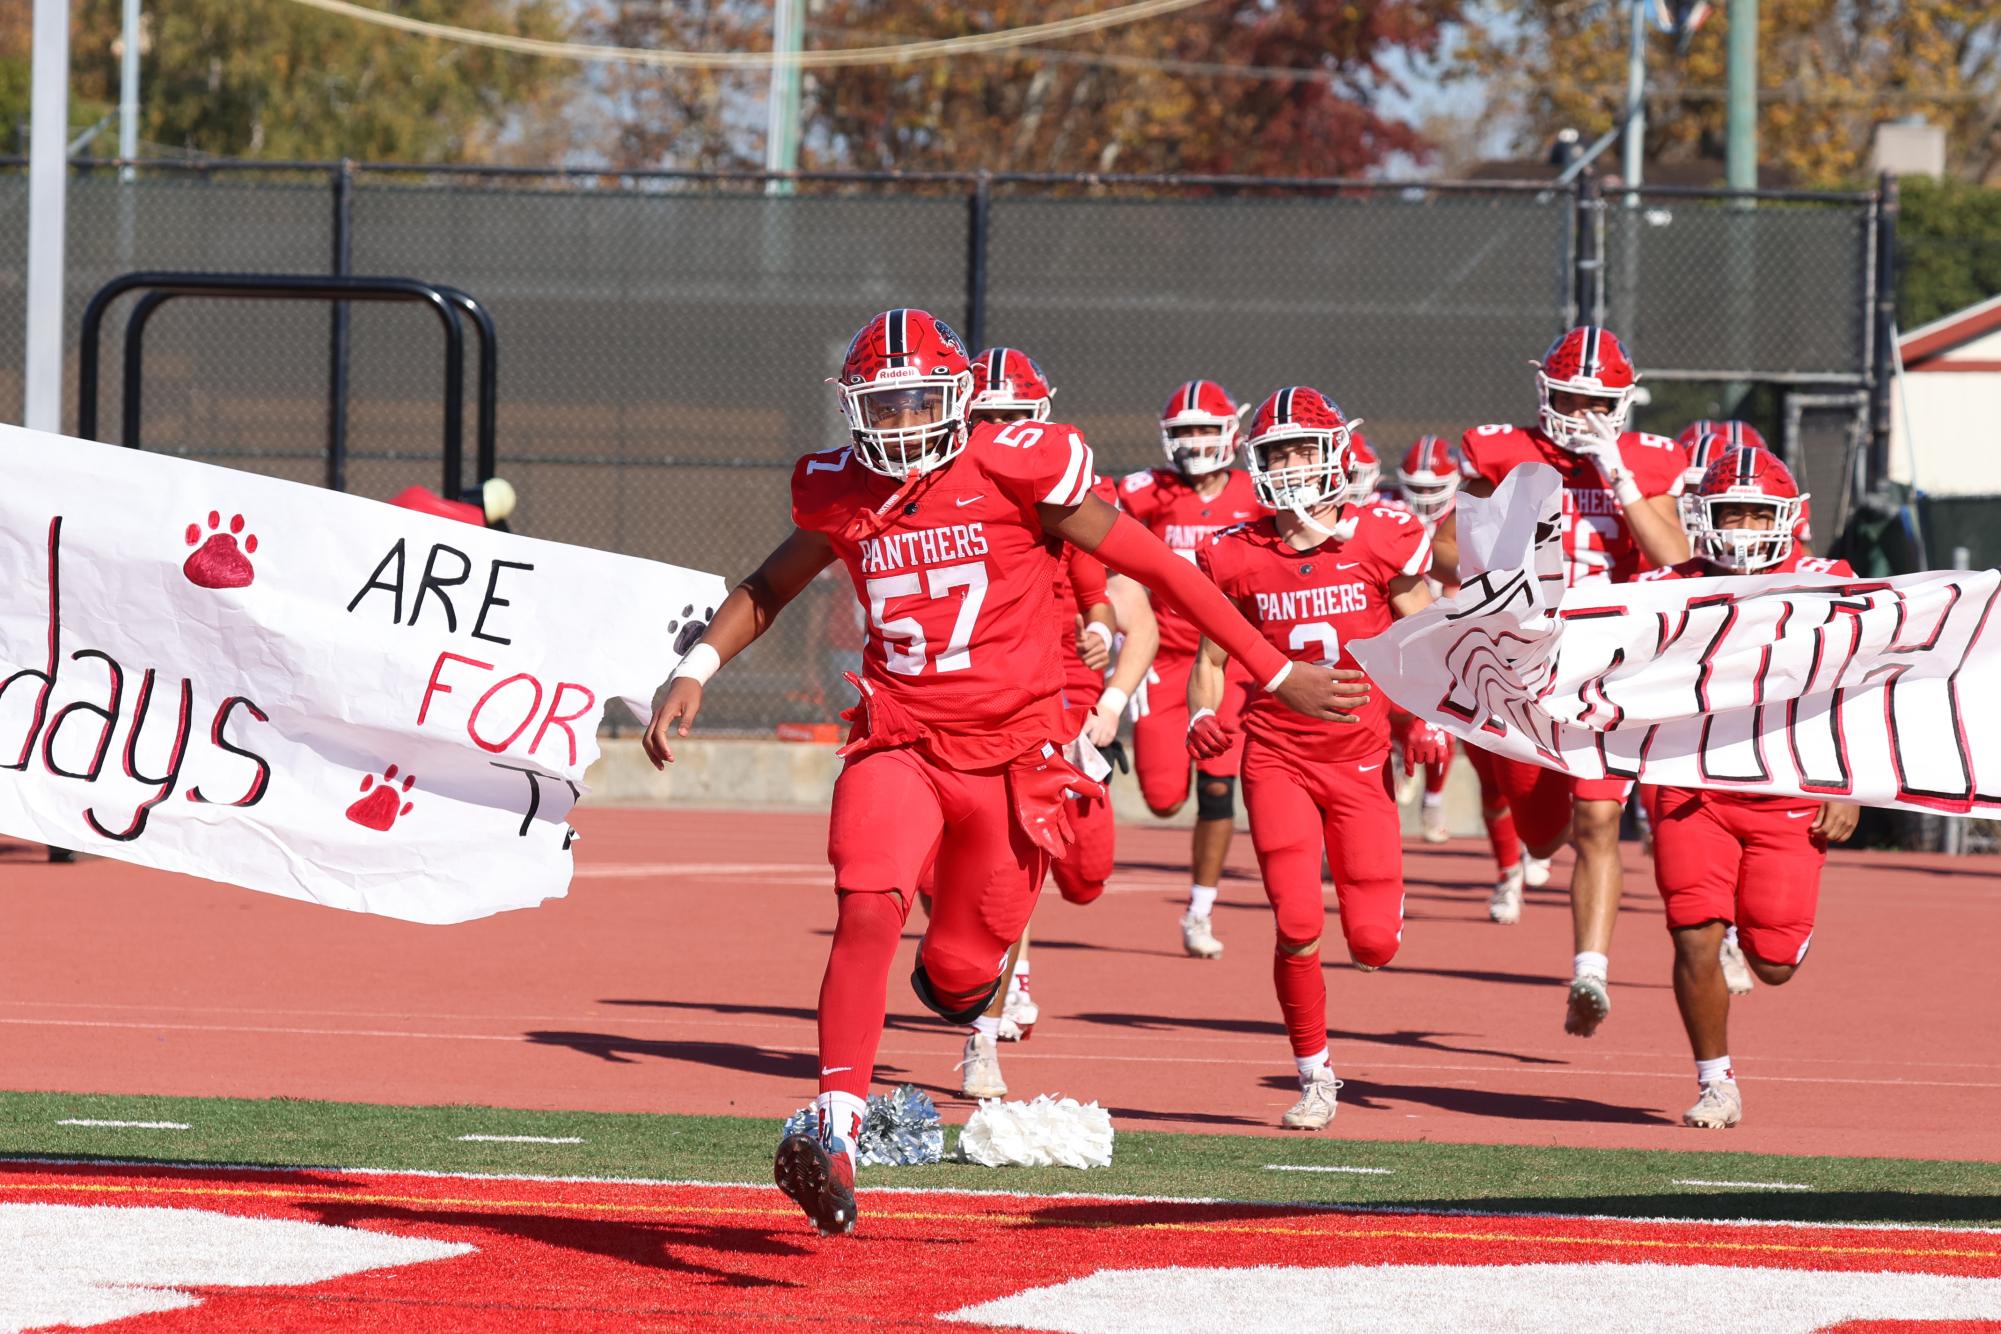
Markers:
680,976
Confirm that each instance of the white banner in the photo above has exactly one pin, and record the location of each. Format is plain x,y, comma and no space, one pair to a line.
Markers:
303,692
1879,691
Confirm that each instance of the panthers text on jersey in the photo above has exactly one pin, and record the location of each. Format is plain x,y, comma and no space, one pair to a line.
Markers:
958,578
1168,503
1311,605
1597,542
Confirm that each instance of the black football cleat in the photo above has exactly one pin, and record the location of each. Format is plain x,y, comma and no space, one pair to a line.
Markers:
819,1182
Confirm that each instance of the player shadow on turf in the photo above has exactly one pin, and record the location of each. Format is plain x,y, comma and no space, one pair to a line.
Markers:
1053,944
1511,979
1373,1095
748,1059
660,1245
905,1023
1417,1039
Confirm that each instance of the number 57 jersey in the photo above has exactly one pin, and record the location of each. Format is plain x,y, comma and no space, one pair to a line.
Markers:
958,581
1312,605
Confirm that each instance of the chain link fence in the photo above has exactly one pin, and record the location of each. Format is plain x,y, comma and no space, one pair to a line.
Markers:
663,338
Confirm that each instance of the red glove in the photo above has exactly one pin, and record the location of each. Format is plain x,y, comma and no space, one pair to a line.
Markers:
1206,737
1425,744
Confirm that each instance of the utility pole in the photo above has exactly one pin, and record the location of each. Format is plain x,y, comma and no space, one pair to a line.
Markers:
48,168
128,88
781,117
1636,100
1741,147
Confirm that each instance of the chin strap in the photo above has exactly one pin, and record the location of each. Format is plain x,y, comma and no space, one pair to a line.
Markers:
1342,530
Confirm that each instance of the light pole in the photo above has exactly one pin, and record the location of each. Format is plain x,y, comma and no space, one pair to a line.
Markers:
42,366
781,113
1740,159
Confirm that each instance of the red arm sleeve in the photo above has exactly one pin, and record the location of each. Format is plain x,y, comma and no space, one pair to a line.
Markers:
1131,550
1087,580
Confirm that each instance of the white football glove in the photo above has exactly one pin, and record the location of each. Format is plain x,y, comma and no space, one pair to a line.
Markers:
1602,448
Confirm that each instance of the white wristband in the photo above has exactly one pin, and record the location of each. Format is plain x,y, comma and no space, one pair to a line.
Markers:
701,663
1112,703
1198,716
1101,630
1279,680
1626,490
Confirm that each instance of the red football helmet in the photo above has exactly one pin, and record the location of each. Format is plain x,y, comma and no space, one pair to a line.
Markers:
905,385
1738,433
1198,428
1292,415
1008,385
1429,477
1586,370
1365,470
1738,483
1704,450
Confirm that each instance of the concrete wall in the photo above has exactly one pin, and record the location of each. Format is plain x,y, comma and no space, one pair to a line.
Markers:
741,772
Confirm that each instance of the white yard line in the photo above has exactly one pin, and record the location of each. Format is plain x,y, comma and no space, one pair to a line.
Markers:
1301,1167
1743,1185
520,1139
126,1125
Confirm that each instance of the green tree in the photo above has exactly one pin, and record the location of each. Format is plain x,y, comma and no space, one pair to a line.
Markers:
1948,248
269,79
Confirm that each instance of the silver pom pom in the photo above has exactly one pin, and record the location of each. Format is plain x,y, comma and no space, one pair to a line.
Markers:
899,1129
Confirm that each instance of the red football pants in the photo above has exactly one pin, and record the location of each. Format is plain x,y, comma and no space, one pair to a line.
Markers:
1346,808
1082,871
1719,859
893,812
1160,735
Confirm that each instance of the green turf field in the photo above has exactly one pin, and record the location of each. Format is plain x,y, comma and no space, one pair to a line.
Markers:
286,1132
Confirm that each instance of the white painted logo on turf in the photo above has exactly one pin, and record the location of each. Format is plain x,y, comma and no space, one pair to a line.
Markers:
1547,1299
89,1265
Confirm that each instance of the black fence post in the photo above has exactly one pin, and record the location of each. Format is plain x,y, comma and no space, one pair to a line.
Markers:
1882,373
337,359
1588,284
979,217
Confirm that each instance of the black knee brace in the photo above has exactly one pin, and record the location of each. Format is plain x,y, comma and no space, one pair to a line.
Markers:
1215,796
921,984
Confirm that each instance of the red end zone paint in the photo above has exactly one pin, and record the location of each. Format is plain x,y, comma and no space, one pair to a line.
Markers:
587,1255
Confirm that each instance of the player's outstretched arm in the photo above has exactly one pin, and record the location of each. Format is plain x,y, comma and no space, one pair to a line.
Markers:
746,613
1142,631
1206,737
1129,549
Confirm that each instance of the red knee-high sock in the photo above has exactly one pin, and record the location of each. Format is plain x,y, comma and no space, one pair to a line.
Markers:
1434,776
1501,835
1302,998
854,993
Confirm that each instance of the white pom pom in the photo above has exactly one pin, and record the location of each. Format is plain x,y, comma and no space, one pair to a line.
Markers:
1045,1133
498,498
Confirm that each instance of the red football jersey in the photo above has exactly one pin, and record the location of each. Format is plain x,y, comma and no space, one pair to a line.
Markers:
1167,502
1597,544
1312,605
959,581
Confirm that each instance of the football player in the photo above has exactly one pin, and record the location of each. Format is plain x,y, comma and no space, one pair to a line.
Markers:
1619,516
949,533
1727,859
1198,494
1319,574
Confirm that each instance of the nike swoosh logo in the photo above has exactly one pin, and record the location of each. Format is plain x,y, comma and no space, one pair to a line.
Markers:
1349,565
826,1070
964,501
1798,815
1368,768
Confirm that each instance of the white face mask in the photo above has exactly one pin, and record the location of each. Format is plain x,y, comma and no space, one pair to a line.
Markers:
1198,445
1744,550
1570,430
1301,484
908,427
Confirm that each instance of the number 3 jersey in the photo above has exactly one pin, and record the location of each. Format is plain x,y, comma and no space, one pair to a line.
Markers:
958,581
1597,541
1312,605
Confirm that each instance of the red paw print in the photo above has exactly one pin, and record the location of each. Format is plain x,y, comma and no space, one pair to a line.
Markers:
381,803
219,562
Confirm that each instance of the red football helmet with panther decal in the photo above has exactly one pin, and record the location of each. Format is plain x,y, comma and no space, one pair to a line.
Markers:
1738,483
1008,385
1293,415
1585,370
1429,477
1198,428
905,386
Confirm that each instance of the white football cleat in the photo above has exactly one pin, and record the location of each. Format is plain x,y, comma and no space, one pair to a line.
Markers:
1019,1012
1198,939
1431,819
981,1067
1590,1002
1736,968
1535,871
1316,1104
1720,1107
1505,904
